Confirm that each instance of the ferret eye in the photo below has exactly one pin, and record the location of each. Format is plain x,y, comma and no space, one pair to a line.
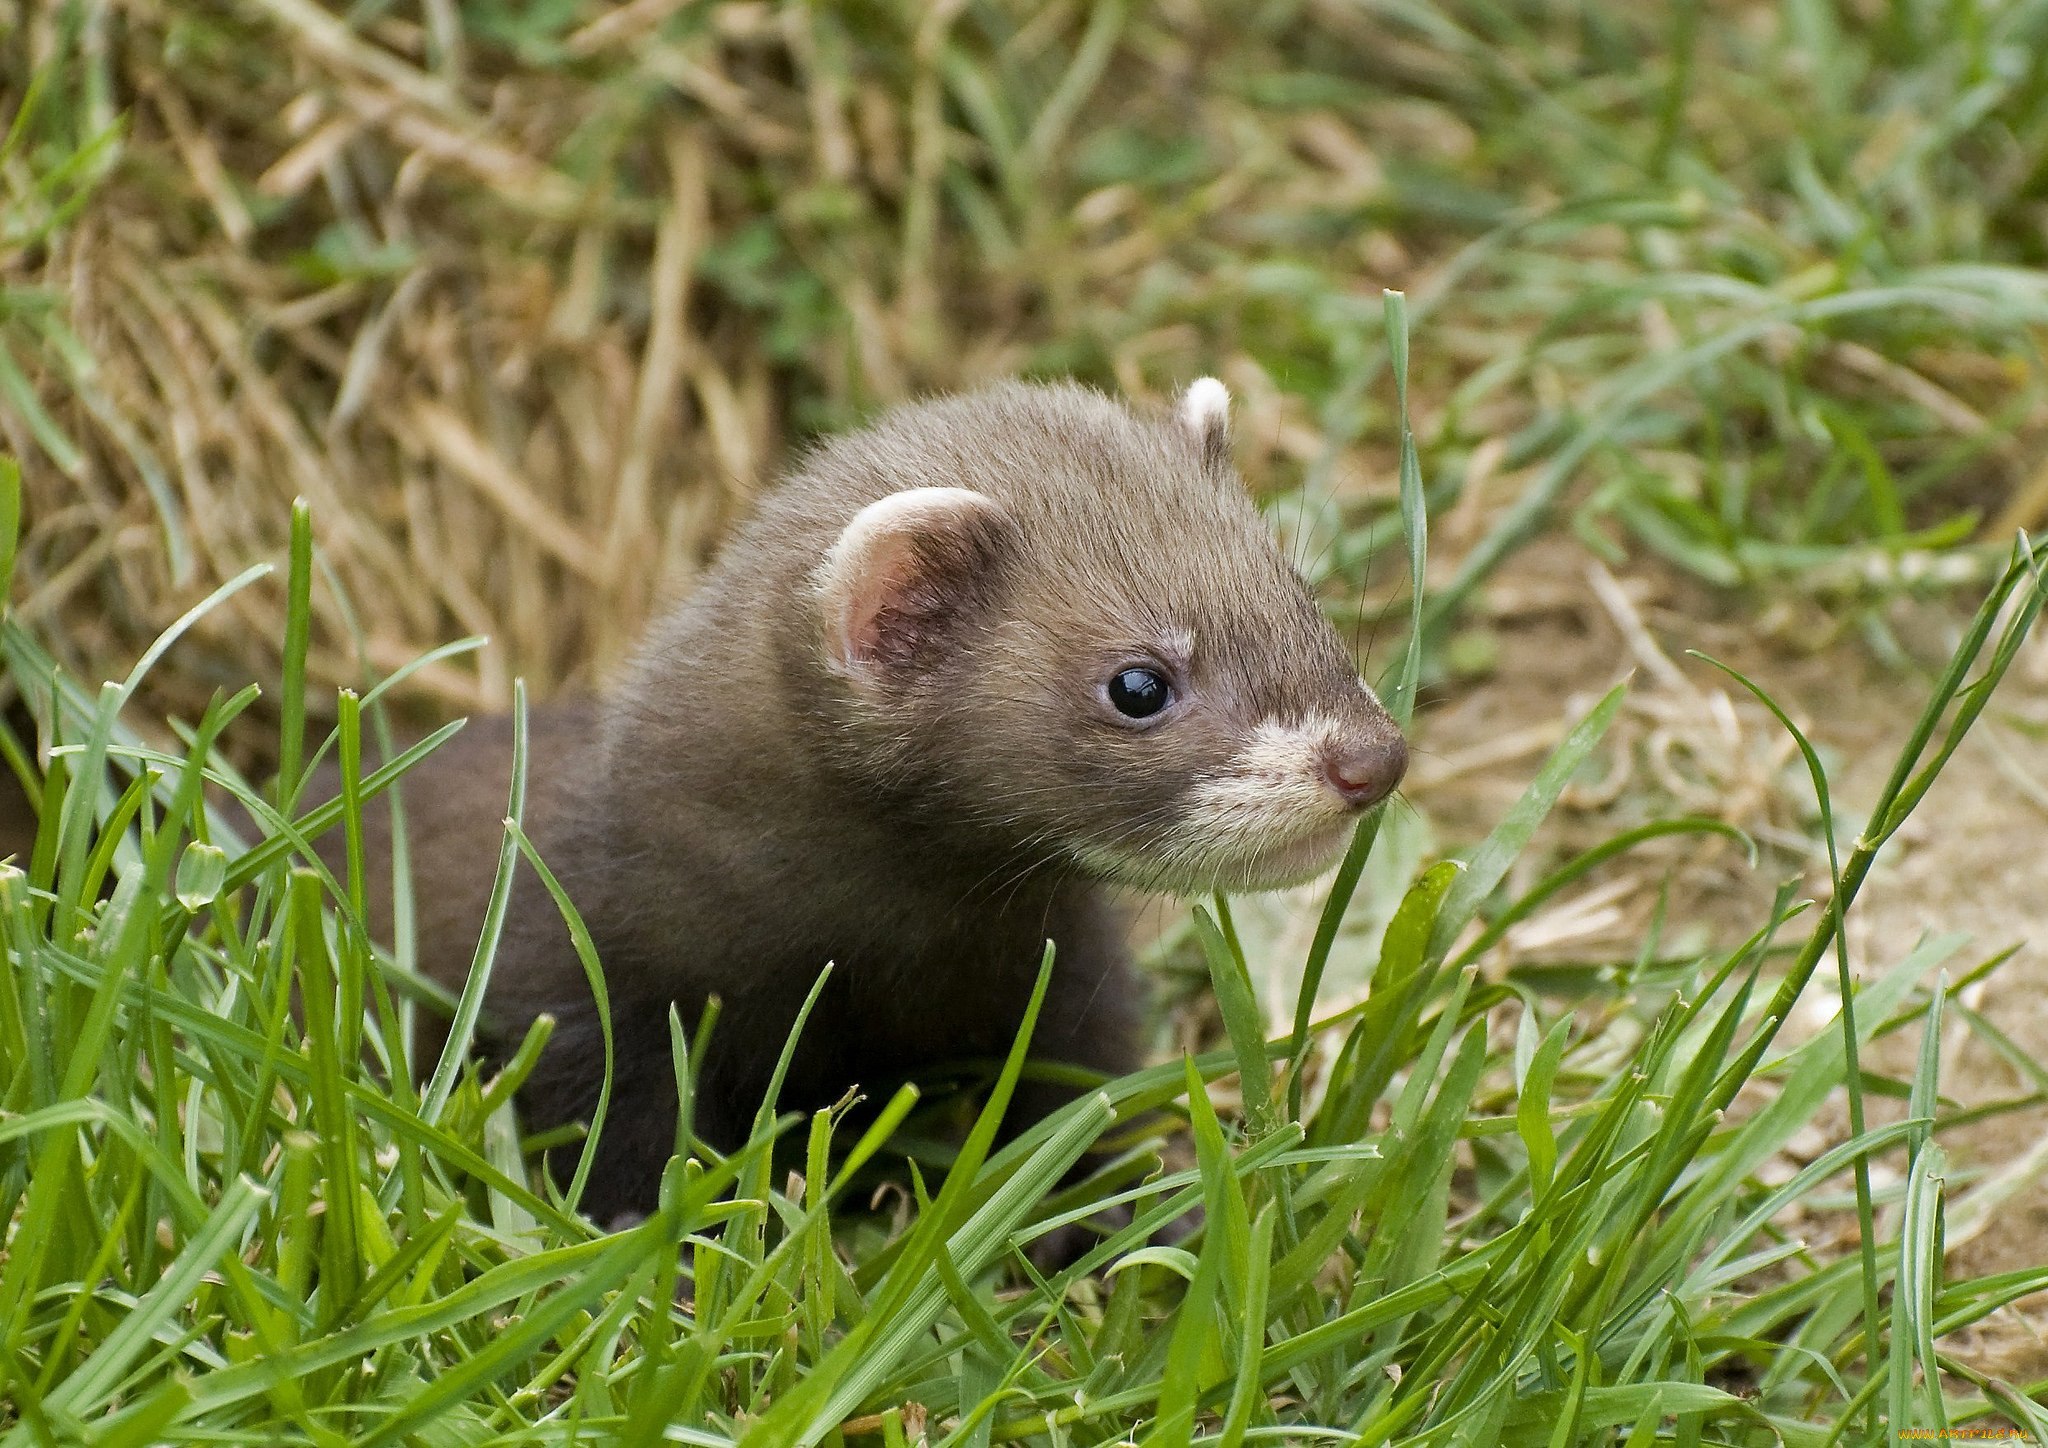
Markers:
1139,693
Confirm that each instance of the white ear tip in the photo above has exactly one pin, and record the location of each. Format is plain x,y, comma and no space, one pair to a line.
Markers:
1206,404
907,510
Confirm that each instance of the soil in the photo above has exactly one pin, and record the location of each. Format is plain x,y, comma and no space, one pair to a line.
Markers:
1559,630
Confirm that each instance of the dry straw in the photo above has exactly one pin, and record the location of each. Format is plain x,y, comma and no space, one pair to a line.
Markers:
526,315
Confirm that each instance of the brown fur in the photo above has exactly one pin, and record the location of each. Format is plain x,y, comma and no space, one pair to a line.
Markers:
749,811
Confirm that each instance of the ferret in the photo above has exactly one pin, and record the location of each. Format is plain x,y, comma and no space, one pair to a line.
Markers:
966,674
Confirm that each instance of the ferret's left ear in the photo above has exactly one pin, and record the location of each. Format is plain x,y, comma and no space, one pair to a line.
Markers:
906,577
1204,411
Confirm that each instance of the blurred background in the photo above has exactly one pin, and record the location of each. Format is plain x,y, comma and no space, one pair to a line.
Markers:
528,299
1727,334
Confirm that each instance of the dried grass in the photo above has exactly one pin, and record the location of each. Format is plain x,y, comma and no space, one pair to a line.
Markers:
457,301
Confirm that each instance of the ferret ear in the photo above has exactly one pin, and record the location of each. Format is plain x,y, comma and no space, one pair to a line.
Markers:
1204,411
904,575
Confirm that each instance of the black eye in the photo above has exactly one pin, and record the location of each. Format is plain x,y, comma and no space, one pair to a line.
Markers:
1138,693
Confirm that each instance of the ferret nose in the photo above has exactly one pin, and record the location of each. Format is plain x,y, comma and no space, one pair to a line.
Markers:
1364,770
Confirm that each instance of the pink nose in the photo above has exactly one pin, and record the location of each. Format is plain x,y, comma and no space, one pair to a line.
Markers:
1366,769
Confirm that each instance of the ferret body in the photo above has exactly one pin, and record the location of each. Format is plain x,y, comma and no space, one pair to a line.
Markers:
962,675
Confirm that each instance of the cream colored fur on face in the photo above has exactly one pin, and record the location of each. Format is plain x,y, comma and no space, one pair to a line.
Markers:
1268,821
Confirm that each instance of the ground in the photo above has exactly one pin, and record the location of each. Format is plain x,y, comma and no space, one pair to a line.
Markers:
1970,861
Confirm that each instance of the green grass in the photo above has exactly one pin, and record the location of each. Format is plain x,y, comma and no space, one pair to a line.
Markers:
1455,1213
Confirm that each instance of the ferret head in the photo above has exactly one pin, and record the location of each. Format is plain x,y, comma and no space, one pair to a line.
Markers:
1065,623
